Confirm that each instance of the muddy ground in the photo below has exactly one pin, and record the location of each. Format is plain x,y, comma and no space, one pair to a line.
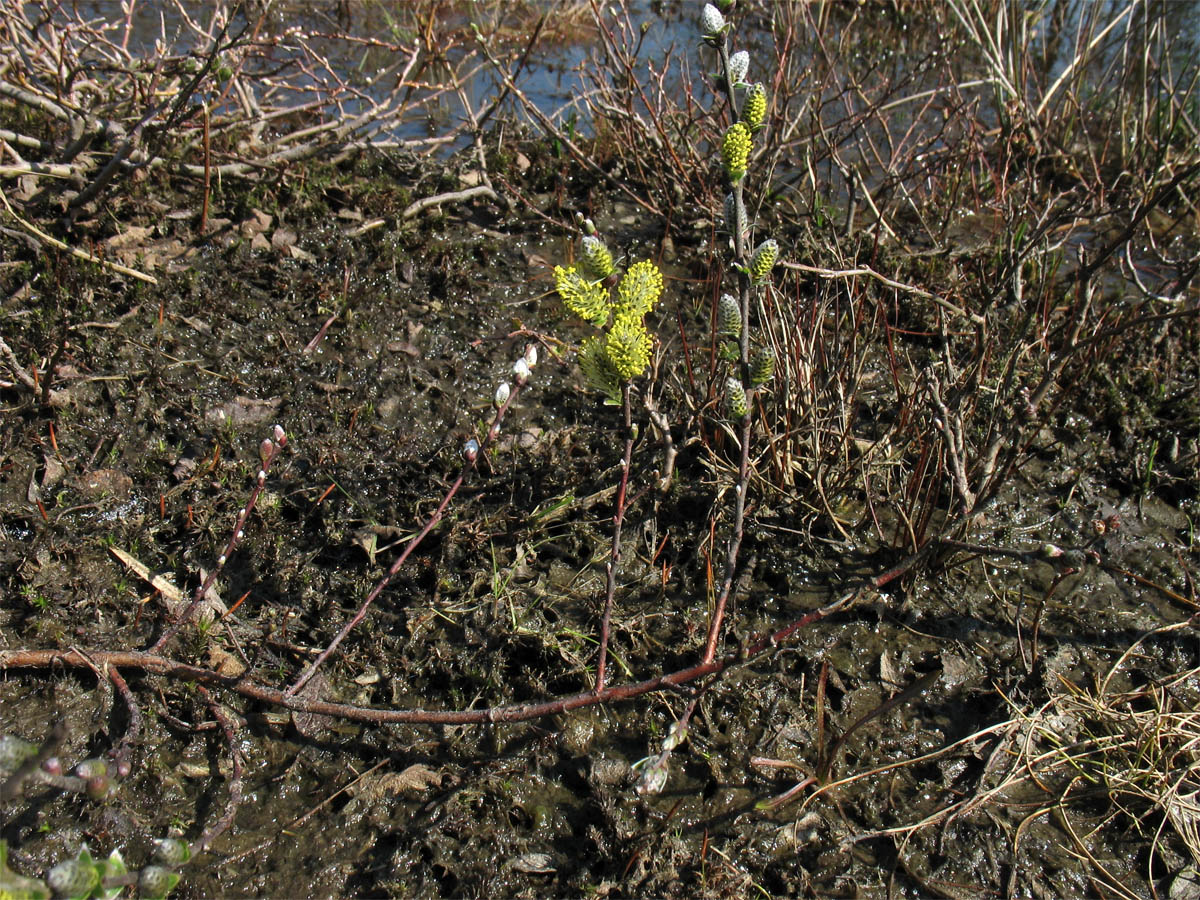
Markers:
150,446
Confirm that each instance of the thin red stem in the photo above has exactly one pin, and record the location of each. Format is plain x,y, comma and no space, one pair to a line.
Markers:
614,556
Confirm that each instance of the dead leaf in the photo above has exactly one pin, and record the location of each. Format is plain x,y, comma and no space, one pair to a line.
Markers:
403,347
132,236
224,662
160,583
258,222
533,863
311,725
889,672
198,324
54,471
415,779
33,493
368,537
243,411
27,187
103,483
283,238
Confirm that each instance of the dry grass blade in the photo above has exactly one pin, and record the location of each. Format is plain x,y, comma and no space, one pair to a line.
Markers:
1139,747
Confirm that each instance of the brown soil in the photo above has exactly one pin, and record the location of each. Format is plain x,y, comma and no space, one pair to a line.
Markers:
151,449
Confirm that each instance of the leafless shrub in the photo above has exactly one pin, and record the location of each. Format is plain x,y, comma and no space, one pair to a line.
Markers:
233,90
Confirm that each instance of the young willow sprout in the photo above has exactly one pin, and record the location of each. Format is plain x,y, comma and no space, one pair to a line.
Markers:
171,852
712,23
156,881
80,876
14,751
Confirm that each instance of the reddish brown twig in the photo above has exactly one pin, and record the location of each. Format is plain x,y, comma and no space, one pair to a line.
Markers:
519,712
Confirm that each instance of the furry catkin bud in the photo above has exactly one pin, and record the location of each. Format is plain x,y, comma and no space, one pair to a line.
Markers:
596,261
729,317
521,371
735,216
73,877
763,261
762,367
735,399
470,450
676,735
502,394
739,66
712,23
531,355
280,435
266,450
735,151
755,110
